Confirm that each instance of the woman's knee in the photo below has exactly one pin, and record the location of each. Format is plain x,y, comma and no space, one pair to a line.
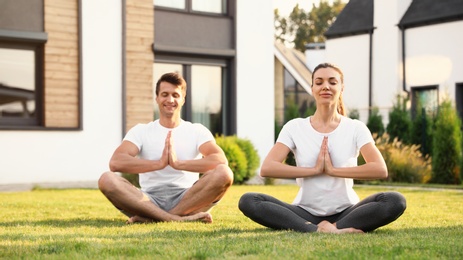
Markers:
247,202
397,201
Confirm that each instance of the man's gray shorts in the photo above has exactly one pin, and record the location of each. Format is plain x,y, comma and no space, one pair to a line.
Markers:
167,196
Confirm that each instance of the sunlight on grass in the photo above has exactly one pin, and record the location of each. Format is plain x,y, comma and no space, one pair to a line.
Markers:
63,224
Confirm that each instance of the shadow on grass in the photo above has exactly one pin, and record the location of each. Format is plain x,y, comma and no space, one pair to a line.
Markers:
75,222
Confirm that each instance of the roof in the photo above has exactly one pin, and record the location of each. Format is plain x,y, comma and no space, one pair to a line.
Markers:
355,18
425,12
294,61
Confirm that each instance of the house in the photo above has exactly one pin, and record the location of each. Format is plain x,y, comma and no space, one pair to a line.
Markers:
77,74
293,80
395,47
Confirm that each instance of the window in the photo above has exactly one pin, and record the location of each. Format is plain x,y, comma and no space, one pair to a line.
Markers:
20,84
210,6
176,4
206,96
297,101
206,84
426,97
459,99
22,41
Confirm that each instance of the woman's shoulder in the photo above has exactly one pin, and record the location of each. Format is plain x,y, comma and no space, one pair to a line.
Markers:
353,122
298,120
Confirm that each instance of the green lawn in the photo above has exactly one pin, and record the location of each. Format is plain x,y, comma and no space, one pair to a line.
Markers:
82,224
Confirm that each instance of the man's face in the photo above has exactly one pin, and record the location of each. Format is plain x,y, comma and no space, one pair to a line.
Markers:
170,99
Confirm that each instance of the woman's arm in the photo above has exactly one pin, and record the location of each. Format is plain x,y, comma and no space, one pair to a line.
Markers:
274,166
374,167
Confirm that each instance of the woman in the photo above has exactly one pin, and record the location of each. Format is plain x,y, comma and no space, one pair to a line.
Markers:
326,146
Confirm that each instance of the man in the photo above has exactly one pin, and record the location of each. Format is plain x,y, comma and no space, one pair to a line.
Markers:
168,154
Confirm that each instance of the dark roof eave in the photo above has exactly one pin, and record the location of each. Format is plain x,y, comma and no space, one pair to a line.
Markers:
351,33
419,23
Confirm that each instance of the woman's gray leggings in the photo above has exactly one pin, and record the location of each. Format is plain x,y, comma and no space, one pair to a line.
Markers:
369,214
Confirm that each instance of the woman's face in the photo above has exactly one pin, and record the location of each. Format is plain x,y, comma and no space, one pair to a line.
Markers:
327,86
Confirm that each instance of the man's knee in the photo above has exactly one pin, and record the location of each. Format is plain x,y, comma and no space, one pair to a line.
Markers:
223,175
106,182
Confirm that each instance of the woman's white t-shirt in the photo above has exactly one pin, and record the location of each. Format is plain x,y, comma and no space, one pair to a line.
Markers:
150,140
324,195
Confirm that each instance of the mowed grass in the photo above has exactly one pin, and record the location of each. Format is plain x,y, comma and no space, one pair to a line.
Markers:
82,224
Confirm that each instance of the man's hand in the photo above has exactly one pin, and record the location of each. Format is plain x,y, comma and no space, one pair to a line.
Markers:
173,161
165,153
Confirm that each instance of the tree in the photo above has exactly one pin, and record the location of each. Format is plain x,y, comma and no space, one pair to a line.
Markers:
446,154
375,122
303,27
399,121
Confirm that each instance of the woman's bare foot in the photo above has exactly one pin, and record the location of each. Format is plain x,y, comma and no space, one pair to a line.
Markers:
327,227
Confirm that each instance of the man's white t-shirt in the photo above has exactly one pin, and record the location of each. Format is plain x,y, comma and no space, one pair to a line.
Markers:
324,195
150,140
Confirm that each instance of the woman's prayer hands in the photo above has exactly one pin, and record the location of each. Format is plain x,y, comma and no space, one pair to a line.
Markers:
324,164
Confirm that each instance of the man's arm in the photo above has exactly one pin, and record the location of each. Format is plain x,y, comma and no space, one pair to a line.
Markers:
124,160
213,155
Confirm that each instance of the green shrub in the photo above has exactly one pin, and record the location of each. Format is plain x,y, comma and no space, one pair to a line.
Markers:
399,125
236,157
132,178
252,157
375,122
291,110
446,146
354,114
421,131
405,163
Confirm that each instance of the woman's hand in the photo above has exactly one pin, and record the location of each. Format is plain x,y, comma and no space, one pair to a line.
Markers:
327,164
320,165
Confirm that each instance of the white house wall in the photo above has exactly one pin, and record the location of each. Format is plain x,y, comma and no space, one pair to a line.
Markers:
351,54
387,54
435,57
37,157
255,80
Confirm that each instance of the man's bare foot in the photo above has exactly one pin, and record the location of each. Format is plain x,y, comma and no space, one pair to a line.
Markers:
327,227
204,217
138,219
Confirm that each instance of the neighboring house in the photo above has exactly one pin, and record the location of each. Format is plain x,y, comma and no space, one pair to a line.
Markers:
293,80
391,47
76,75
